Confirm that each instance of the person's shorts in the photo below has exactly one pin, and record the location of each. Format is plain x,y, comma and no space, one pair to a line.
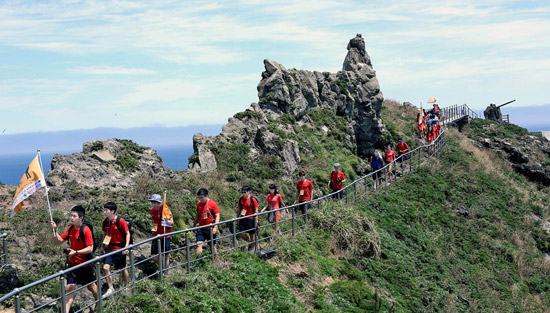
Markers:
273,217
338,195
247,225
404,156
376,174
117,260
81,276
165,243
304,207
203,235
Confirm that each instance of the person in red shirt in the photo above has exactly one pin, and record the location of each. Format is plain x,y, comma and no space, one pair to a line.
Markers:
402,149
158,229
274,202
304,189
116,236
390,157
207,213
430,136
82,245
336,182
248,206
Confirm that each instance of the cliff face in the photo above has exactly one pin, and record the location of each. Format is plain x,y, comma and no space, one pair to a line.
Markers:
290,95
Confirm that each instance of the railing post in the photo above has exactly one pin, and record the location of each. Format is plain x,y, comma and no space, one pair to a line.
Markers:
256,241
354,192
62,291
212,242
5,249
99,293
347,195
188,252
161,261
234,230
132,268
293,221
17,303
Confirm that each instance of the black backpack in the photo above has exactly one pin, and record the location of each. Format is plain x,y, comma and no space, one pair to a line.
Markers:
117,223
81,236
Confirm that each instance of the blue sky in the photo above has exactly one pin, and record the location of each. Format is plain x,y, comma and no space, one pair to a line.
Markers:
85,64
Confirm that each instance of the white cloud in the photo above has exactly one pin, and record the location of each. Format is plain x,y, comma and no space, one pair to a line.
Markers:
111,70
414,45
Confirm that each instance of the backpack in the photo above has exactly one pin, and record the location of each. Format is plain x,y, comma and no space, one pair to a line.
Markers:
81,236
117,223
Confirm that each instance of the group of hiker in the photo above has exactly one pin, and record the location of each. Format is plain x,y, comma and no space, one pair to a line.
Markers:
378,161
429,123
117,230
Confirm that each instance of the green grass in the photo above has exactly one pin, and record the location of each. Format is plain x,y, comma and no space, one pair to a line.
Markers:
242,283
491,129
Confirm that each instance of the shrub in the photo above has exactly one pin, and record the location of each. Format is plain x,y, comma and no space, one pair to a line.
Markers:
247,114
355,232
343,87
97,146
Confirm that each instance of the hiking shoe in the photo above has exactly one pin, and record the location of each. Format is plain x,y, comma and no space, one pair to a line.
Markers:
109,292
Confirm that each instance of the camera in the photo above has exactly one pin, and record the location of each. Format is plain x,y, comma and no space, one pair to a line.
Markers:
66,250
338,180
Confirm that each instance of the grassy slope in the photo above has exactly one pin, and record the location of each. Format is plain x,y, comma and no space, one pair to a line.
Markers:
430,259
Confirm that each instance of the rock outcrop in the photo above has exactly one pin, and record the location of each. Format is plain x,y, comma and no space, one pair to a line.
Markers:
528,155
113,164
353,93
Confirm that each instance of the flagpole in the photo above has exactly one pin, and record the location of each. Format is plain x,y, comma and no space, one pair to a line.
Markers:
46,186
163,211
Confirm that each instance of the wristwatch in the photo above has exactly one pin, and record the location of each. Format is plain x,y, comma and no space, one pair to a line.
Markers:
76,252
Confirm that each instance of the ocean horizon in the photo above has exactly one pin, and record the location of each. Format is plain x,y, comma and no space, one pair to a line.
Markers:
13,166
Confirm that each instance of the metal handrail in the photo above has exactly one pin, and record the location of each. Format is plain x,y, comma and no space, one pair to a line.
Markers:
412,159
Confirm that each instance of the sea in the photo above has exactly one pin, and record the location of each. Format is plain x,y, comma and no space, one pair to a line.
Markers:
12,167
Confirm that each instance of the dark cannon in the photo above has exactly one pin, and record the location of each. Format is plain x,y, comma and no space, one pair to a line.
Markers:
492,112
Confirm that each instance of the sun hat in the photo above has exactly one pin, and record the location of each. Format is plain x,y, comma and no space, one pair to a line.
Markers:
155,198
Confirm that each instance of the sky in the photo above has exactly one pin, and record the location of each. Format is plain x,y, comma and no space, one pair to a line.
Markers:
68,65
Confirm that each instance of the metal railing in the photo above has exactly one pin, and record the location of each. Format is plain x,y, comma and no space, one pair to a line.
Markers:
454,113
505,119
295,218
4,255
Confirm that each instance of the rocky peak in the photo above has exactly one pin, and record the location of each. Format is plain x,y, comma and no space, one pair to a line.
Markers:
357,55
290,94
113,163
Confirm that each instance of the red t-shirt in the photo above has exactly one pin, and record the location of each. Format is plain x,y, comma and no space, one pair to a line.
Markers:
274,201
402,148
118,236
156,215
78,244
305,189
207,212
334,176
249,206
430,137
390,156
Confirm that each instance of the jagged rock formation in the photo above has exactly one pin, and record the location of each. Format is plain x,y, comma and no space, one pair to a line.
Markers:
528,156
113,164
353,93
